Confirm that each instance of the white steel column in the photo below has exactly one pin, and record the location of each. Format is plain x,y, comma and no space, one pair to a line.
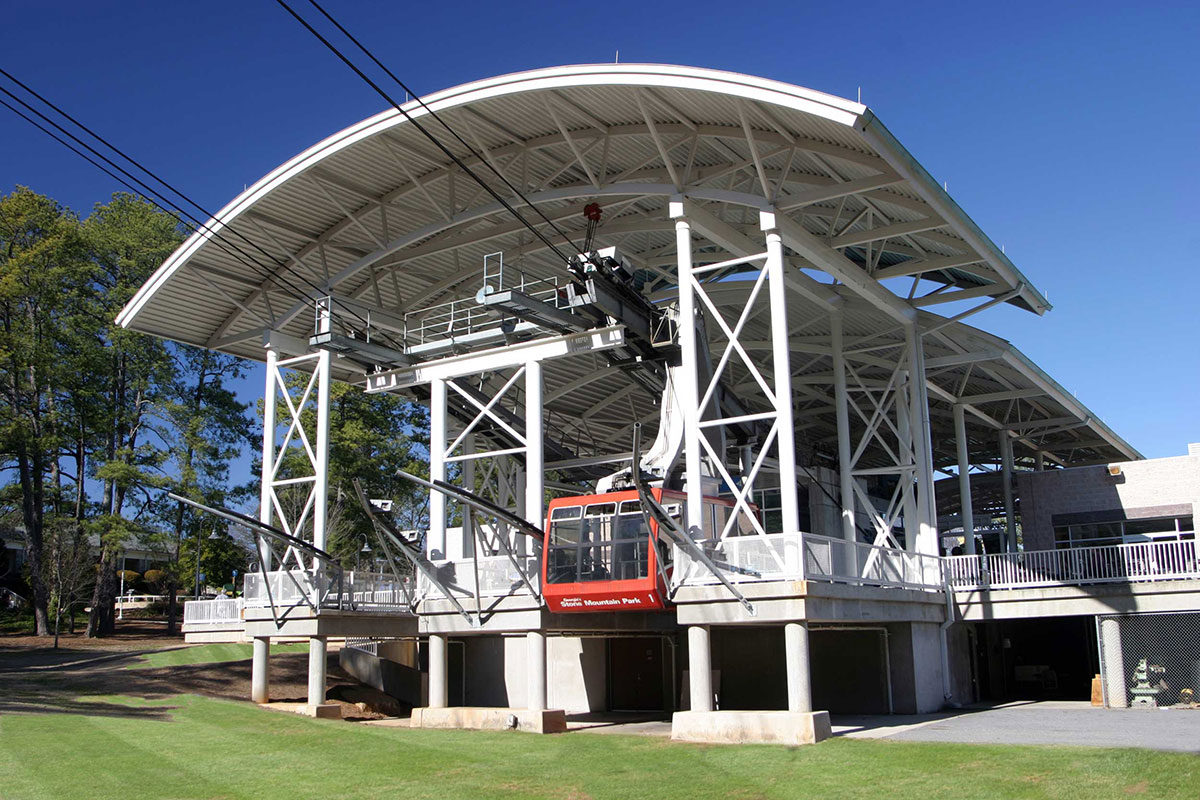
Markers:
439,676
798,678
966,504
845,457
781,366
1006,470
316,670
535,647
535,454
260,671
265,508
908,467
435,544
321,468
927,538
688,388
700,668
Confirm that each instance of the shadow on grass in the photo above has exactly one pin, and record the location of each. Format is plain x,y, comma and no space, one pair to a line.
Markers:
87,684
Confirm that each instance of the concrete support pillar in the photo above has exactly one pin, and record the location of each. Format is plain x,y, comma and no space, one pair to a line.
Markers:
260,671
1116,691
1006,470
535,643
435,543
700,668
317,648
841,399
439,671
687,388
966,505
798,677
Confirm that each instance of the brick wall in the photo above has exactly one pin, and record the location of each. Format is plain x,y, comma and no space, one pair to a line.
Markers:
1143,485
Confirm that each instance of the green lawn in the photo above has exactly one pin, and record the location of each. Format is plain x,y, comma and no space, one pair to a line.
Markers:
208,654
197,747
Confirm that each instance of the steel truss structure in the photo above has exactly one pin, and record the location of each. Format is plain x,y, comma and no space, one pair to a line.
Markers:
802,253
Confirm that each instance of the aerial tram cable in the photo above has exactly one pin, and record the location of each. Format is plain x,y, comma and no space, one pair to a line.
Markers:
446,125
437,142
157,199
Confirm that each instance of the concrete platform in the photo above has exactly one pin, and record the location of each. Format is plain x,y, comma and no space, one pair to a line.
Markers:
320,711
751,727
490,719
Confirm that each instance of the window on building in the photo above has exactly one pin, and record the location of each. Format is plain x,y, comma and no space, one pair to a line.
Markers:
1098,534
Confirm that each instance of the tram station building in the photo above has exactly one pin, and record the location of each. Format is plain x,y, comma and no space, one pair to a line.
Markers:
714,430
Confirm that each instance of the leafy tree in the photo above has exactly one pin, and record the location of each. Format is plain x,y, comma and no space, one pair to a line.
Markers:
68,569
127,239
205,429
42,279
220,554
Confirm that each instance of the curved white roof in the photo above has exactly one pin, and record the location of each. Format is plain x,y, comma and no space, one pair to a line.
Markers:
378,218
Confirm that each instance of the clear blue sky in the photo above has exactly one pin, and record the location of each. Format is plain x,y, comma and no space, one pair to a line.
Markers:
1069,132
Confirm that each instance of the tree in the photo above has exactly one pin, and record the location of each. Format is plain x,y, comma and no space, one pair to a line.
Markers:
68,569
43,276
206,428
127,239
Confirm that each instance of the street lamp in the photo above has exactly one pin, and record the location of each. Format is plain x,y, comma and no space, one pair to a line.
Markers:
200,537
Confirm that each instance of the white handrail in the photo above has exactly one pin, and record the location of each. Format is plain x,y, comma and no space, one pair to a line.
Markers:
1118,563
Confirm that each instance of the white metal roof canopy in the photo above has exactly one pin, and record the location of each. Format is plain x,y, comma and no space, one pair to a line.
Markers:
376,217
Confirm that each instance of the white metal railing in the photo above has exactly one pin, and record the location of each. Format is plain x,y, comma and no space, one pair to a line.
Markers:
497,577
1118,563
223,611
795,556
350,590
826,558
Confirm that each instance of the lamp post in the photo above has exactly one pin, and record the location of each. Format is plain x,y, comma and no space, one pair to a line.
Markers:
121,602
200,537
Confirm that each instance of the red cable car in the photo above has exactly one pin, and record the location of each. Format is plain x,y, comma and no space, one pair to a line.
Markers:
598,554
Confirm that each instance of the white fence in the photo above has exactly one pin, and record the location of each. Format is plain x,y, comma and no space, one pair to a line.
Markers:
350,590
497,577
219,612
1118,563
796,556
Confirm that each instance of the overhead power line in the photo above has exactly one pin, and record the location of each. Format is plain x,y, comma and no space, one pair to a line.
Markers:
156,198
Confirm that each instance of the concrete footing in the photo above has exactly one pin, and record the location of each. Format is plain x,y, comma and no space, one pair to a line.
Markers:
491,719
320,710
751,727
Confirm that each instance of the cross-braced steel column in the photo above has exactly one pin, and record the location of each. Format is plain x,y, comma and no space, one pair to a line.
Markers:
842,410
535,456
782,378
1006,470
435,544
966,504
688,387
927,537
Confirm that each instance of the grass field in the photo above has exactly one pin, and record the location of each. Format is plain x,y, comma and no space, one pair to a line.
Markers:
195,747
208,654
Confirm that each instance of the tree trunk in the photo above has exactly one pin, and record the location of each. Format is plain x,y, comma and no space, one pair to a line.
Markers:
28,467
